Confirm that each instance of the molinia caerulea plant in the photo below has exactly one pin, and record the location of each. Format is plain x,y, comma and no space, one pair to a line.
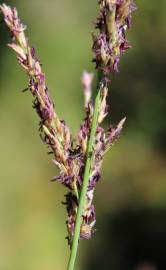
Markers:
79,160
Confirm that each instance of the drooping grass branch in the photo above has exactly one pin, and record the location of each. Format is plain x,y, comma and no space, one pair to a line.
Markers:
79,160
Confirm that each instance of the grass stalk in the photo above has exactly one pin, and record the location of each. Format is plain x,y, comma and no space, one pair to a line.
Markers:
89,158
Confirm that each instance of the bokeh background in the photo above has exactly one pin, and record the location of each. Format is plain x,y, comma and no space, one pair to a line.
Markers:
131,197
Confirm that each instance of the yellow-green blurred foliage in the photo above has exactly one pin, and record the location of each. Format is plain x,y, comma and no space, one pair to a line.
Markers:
132,192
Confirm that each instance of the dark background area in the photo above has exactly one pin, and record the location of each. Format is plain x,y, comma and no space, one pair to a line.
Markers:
130,199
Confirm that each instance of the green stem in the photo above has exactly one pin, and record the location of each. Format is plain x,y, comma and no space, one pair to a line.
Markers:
89,156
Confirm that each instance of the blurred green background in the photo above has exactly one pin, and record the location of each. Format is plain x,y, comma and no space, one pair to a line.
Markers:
131,197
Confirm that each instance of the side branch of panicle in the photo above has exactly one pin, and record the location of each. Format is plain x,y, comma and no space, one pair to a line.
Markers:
113,20
53,131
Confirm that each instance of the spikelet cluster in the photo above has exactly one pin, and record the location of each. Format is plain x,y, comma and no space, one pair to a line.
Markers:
110,42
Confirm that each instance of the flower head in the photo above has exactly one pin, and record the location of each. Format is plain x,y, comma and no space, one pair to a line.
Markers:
69,155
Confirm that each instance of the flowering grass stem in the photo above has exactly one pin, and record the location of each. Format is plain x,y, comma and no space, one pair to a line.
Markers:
82,201
79,159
